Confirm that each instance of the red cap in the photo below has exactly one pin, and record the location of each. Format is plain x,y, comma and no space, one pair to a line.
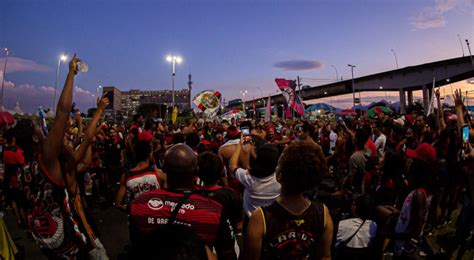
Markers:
410,119
424,152
232,131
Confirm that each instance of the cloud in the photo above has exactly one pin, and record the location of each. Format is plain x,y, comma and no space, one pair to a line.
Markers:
20,65
31,96
434,16
298,65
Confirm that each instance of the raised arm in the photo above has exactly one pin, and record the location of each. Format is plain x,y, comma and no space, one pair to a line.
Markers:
459,109
442,124
234,160
80,129
91,129
53,143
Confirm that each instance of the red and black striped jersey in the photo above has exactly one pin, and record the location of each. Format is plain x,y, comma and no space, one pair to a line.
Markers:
202,214
139,181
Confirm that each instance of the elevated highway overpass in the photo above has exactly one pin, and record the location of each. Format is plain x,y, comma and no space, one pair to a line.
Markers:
404,80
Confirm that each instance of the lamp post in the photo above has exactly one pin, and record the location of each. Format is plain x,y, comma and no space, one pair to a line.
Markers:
261,96
173,60
353,89
98,92
61,58
470,54
337,75
243,92
7,52
395,55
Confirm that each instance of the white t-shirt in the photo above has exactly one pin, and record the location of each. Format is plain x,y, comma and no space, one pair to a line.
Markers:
364,236
332,141
258,191
380,145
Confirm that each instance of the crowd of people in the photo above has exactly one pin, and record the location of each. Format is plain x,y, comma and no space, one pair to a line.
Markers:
333,188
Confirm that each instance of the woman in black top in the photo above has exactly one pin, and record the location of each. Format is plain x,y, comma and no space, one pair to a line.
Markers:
293,227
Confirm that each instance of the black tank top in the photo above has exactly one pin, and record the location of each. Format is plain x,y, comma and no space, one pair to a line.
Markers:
292,237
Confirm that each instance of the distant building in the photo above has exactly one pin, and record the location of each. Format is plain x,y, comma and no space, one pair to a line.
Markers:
115,105
132,99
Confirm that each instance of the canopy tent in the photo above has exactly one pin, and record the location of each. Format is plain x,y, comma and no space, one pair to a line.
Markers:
320,106
17,109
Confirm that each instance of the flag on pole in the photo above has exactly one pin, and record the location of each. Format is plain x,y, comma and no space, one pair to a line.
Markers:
287,88
268,110
431,104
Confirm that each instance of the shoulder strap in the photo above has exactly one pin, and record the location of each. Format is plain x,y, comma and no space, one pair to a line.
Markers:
344,243
176,209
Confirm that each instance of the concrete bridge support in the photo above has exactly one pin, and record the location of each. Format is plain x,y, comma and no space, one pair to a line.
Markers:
403,102
426,97
410,97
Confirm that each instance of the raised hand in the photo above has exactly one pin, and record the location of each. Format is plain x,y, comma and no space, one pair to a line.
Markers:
73,64
458,97
103,102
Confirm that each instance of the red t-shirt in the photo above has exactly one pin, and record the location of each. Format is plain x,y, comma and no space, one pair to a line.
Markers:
14,160
13,155
145,136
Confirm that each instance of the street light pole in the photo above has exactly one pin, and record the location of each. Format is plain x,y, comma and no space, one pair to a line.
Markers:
173,60
243,92
395,55
337,75
469,49
62,58
261,96
98,93
353,89
7,52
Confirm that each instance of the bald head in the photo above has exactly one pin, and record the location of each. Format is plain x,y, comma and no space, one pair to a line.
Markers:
180,165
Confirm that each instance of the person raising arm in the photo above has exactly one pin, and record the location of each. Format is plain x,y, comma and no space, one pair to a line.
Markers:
54,142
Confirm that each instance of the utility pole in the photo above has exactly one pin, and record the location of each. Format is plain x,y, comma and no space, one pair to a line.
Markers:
353,89
190,87
469,49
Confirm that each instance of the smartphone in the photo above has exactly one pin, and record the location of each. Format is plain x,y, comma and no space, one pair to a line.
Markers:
465,133
245,130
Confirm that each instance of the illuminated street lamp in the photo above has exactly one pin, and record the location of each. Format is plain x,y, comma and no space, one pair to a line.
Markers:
173,60
243,92
7,52
62,58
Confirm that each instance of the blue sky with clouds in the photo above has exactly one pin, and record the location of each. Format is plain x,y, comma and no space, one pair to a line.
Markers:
227,44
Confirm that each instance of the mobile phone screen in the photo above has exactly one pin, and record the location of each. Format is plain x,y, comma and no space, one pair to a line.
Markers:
465,133
245,131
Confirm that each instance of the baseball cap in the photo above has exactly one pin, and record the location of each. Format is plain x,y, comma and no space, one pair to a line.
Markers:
232,131
424,152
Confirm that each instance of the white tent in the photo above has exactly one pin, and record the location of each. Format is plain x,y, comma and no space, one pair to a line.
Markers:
17,109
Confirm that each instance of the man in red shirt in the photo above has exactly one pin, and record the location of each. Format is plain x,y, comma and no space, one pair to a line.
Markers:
13,159
153,210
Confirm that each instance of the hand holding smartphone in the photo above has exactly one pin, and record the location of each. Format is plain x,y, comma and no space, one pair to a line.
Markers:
465,133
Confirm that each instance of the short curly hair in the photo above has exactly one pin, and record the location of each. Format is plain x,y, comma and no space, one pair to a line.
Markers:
302,166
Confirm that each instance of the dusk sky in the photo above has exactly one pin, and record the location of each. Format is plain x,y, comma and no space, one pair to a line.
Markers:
227,45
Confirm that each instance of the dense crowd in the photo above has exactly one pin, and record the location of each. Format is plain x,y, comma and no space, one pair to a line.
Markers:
333,188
